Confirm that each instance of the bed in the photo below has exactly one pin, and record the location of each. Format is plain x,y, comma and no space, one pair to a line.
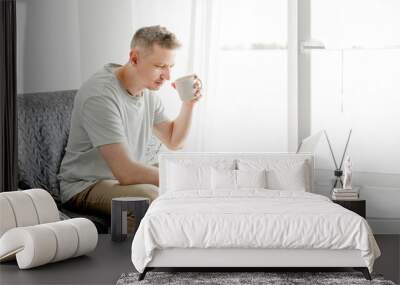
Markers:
247,210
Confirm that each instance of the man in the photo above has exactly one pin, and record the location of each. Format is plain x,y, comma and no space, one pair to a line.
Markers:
113,117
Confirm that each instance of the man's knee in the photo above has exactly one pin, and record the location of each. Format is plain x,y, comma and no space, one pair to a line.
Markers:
153,192
148,190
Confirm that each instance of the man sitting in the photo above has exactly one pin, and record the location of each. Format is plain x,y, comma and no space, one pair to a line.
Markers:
114,114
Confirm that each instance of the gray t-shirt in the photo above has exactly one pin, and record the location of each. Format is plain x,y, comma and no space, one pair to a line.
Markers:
105,113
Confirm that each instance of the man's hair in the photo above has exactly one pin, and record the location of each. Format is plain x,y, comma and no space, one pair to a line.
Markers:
146,37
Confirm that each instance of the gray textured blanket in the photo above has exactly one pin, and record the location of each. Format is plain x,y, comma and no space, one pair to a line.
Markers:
43,127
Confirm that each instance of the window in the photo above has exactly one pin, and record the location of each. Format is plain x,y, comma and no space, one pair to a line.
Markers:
250,102
355,80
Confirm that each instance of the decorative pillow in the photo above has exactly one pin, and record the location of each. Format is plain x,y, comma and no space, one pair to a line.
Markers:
185,177
251,178
282,174
223,179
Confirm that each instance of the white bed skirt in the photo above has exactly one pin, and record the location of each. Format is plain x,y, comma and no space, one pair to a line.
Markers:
193,257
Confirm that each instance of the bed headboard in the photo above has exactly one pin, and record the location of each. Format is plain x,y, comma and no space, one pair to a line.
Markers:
230,160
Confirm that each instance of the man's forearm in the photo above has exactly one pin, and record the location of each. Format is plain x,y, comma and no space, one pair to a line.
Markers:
126,170
138,173
181,125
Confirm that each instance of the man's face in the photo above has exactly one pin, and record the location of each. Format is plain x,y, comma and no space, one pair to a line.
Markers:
154,66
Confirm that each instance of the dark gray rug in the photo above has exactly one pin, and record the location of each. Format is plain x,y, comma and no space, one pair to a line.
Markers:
269,278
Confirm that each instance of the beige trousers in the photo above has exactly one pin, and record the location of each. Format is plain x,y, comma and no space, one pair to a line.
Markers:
97,199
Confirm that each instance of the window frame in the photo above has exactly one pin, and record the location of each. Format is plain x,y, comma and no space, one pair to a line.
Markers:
299,72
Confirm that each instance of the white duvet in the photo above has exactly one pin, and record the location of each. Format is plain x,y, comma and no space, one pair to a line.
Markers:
251,218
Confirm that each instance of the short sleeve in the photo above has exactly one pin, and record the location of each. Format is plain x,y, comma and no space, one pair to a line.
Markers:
102,121
159,113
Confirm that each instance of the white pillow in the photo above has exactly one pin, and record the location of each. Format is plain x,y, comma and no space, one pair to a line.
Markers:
293,178
188,177
282,174
251,178
223,179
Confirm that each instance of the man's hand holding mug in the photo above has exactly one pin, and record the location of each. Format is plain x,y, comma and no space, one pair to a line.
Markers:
189,88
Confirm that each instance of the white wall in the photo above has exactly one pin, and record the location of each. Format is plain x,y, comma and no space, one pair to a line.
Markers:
105,33
48,56
60,43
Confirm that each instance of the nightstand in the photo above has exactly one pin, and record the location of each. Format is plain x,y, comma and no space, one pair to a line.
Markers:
119,215
356,205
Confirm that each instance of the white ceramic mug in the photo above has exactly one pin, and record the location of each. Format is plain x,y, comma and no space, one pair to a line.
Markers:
185,87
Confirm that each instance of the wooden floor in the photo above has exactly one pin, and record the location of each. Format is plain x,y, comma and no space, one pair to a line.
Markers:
110,260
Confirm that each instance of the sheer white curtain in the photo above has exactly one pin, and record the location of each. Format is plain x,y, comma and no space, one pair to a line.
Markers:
203,60
239,48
